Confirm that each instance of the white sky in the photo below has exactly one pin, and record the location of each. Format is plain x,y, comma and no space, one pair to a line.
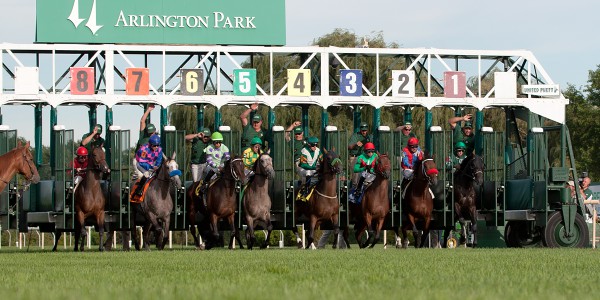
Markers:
560,34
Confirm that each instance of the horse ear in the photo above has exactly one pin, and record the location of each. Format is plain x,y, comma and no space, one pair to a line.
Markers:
164,156
378,154
333,149
27,145
174,155
269,151
18,144
325,150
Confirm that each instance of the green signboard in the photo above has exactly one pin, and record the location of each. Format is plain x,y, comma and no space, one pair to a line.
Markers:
206,22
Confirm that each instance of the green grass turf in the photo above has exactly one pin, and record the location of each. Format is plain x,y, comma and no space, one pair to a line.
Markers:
301,274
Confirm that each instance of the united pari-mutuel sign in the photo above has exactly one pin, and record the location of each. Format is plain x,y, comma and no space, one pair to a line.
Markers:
230,22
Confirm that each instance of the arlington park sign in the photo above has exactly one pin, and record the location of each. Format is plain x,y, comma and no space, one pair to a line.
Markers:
206,22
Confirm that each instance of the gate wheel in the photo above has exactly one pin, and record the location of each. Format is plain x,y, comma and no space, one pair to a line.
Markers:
516,235
555,234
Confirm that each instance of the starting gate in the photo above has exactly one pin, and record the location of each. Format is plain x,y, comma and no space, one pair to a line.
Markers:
9,205
119,157
174,142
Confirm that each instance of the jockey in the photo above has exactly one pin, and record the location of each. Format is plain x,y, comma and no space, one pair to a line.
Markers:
453,162
216,155
310,158
410,155
80,164
365,165
148,157
251,155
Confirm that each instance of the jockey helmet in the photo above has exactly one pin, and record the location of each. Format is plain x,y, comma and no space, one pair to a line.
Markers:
460,145
216,136
99,129
413,141
150,128
313,140
369,146
256,141
154,140
82,151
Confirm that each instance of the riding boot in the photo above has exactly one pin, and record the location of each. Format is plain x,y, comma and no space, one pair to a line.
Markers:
206,180
140,187
359,186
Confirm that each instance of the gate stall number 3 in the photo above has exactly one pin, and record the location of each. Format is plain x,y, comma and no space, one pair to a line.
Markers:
351,83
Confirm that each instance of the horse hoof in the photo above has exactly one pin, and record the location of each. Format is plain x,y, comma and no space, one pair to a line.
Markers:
299,245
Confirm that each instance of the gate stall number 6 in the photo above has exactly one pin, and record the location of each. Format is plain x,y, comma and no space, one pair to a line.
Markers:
192,82
351,83
403,83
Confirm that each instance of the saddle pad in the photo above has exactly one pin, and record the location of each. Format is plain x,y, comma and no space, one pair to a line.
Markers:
199,187
139,199
302,198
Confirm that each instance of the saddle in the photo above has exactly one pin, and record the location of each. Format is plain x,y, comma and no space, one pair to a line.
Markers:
357,198
305,193
212,181
133,198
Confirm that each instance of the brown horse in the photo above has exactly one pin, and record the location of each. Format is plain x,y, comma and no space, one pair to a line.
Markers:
18,160
221,201
375,204
257,202
89,199
418,201
469,174
323,205
157,205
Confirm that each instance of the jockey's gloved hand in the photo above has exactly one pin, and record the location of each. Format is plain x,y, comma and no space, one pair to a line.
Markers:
147,174
363,164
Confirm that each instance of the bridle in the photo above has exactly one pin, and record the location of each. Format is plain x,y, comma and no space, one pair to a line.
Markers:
470,166
428,173
235,176
379,167
27,180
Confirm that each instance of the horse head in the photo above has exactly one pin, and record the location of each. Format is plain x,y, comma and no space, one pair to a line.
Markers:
472,167
172,169
234,169
331,162
97,158
264,165
26,167
383,166
428,170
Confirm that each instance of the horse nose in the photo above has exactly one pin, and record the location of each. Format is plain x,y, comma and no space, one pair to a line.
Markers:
36,178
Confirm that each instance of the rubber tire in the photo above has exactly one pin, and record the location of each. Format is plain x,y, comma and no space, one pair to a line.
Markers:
451,243
555,227
515,235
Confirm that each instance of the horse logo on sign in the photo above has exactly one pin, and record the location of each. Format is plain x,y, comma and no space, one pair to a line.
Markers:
91,23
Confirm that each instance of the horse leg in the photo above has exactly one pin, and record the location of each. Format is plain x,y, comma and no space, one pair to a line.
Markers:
336,230
83,237
100,222
298,239
461,221
193,233
368,222
311,233
79,230
269,230
447,230
474,225
250,238
425,236
416,234
234,232
377,232
405,235
165,229
345,235
146,235
56,238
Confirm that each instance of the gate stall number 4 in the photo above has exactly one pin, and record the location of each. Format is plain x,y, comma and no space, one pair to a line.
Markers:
299,83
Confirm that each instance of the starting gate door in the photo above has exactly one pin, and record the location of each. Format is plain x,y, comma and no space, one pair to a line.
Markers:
442,148
119,158
491,198
174,142
387,141
282,186
8,200
335,141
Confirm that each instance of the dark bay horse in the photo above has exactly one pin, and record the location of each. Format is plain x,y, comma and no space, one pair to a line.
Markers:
221,201
417,204
324,204
465,178
375,204
89,199
257,202
157,205
18,160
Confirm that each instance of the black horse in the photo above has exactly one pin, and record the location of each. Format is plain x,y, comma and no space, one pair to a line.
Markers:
465,178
